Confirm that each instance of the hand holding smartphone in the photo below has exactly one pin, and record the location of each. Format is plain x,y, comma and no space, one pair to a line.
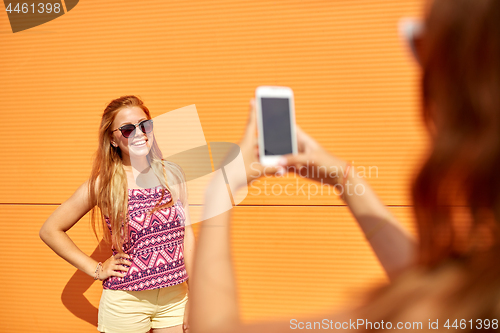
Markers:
275,123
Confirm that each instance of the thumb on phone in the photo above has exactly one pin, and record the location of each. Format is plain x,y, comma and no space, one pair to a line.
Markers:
297,160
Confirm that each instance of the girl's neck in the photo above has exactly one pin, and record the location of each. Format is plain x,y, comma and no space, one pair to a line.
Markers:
141,165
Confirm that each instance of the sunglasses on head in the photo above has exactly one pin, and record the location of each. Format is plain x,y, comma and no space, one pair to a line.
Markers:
412,31
128,130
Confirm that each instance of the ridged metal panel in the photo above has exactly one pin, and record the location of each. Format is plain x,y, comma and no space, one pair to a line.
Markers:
356,92
288,261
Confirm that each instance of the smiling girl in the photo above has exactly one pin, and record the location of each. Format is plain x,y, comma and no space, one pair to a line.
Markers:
140,202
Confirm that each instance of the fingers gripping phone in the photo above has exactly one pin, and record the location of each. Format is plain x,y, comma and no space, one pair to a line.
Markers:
276,123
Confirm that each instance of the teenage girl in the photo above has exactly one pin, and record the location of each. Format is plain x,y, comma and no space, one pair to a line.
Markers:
140,202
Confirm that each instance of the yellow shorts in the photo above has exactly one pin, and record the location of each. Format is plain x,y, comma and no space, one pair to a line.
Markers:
123,311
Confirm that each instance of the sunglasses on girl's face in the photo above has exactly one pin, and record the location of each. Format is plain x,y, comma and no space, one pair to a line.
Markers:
128,130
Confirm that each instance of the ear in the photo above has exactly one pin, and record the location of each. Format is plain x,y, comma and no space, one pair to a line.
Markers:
112,140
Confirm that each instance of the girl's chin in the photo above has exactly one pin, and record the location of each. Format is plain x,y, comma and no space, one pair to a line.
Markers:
138,151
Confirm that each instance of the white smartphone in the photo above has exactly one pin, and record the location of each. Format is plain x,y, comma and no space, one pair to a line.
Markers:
276,123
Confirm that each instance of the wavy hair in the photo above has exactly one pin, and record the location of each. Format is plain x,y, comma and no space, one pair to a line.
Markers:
457,192
108,181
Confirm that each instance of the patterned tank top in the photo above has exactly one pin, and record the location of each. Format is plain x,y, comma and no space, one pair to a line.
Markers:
155,244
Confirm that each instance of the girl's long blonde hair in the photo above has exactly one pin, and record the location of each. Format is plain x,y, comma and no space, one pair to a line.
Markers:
108,181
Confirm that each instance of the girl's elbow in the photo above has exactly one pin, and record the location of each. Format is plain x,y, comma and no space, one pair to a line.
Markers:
44,233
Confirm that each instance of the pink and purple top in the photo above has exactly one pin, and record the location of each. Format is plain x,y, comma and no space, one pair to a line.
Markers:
155,244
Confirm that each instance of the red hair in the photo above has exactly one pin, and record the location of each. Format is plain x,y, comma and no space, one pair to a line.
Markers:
460,56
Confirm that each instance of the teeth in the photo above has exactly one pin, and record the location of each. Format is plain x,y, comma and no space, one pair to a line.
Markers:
139,143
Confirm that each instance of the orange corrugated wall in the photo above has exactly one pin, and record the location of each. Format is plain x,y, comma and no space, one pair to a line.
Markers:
356,92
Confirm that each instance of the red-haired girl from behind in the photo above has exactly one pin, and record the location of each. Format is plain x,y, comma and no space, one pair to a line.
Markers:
455,273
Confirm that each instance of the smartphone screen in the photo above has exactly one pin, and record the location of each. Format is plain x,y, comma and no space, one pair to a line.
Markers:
276,126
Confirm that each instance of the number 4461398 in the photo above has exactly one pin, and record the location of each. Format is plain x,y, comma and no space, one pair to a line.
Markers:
31,8
478,324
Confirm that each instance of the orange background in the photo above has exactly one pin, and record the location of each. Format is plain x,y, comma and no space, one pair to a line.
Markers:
356,92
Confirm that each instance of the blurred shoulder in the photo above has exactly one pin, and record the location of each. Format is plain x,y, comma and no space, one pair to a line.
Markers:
450,288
